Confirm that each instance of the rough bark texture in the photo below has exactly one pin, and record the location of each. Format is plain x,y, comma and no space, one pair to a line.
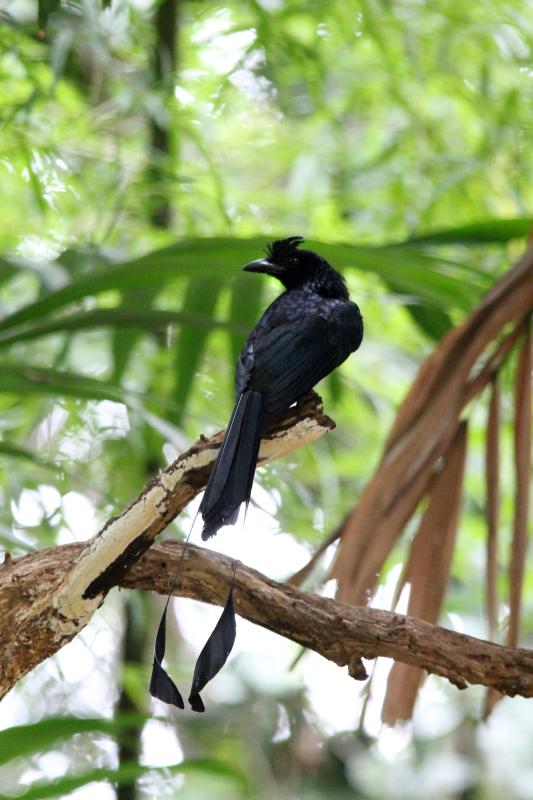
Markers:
47,598
341,633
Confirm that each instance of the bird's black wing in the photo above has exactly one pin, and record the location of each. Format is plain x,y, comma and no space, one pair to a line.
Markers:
286,360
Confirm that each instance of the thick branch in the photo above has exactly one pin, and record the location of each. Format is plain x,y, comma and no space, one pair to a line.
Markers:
40,614
341,633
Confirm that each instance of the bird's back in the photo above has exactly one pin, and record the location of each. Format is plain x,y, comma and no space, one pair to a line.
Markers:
301,338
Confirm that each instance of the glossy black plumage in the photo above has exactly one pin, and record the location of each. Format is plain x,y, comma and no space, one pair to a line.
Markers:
306,332
161,684
215,653
303,335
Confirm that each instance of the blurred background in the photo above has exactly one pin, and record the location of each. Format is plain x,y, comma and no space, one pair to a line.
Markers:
147,151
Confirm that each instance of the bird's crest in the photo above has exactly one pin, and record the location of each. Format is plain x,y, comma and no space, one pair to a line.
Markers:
280,250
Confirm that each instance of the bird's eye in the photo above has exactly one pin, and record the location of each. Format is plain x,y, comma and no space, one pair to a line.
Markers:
293,261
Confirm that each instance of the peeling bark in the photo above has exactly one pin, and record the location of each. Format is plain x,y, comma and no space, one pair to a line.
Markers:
42,609
46,598
341,633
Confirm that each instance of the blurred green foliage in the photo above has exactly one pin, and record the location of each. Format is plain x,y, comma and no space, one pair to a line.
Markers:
396,137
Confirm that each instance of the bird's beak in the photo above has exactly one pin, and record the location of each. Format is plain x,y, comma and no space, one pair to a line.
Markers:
263,265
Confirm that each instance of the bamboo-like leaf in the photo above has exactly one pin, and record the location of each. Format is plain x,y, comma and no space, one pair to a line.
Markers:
245,309
484,232
123,341
492,476
192,258
8,269
411,271
46,7
15,451
23,740
127,773
48,274
433,321
200,299
428,570
114,318
427,278
522,459
24,379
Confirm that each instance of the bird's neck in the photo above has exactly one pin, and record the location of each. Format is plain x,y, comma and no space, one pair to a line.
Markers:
328,285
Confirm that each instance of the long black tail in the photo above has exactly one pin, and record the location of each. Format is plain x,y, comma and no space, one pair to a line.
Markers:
230,482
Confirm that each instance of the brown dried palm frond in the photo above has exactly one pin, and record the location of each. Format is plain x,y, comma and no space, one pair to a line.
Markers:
522,463
425,424
522,459
423,459
428,568
492,479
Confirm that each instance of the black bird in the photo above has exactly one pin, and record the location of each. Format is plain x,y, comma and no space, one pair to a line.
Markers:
303,335
308,331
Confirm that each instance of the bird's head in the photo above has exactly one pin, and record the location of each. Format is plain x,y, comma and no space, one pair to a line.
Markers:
296,268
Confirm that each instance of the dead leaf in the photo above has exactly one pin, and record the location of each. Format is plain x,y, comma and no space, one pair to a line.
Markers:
492,476
426,419
522,458
428,570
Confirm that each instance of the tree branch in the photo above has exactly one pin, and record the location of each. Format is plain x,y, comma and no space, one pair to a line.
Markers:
341,633
43,608
46,598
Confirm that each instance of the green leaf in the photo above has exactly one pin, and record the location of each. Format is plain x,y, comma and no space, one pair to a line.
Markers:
200,298
46,7
152,320
22,740
8,269
190,258
432,321
429,278
127,773
15,451
24,379
490,231
124,342
245,309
